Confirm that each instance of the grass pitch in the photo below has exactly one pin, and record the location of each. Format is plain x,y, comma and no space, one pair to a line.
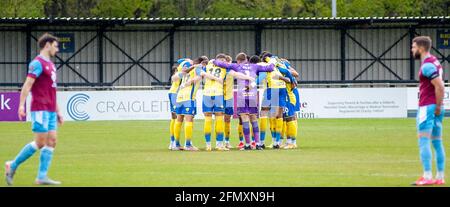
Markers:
332,152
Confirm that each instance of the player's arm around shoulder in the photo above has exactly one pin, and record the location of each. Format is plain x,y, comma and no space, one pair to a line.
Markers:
294,72
240,75
265,68
222,64
199,72
287,73
295,76
206,75
188,68
176,76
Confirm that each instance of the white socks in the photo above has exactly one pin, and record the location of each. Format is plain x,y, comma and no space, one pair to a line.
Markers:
428,175
440,175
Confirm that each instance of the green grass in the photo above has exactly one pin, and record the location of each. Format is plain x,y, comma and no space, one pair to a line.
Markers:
333,152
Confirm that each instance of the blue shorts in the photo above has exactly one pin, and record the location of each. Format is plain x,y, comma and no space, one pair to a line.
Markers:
43,121
229,106
429,123
212,104
173,102
297,97
274,97
186,108
289,110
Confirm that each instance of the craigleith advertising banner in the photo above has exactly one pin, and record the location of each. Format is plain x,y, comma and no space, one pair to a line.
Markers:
9,104
154,105
117,105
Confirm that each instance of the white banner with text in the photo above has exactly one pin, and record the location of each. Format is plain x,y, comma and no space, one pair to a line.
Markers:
315,103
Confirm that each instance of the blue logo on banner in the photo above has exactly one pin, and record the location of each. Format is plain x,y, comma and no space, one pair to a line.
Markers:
72,107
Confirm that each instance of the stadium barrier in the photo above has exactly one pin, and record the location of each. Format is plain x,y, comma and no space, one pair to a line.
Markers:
154,105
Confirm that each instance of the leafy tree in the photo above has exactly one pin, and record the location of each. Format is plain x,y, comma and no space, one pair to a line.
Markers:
221,8
22,8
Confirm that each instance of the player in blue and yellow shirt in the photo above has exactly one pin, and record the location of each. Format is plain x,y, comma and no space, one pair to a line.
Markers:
274,99
213,104
228,93
182,63
185,103
292,106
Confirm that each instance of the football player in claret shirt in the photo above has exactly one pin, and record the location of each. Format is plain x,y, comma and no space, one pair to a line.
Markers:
431,111
41,82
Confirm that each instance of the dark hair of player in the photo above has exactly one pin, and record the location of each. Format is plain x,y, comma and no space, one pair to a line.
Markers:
221,55
423,41
263,53
46,37
200,59
174,68
228,58
205,62
266,54
241,57
204,57
254,59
